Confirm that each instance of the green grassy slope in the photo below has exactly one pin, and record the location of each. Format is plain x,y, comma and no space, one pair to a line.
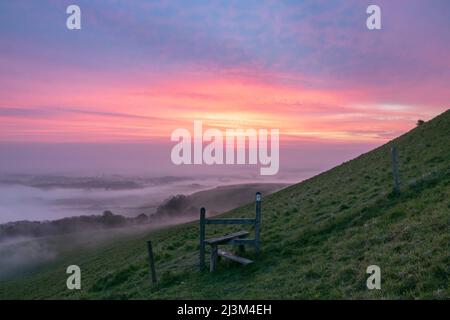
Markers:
318,238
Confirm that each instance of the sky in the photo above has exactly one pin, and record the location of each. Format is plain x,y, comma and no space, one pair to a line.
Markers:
137,70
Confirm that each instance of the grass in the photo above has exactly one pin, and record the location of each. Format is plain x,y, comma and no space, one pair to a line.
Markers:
318,237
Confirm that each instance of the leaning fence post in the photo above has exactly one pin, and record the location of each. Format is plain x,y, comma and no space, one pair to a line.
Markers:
257,221
202,238
151,261
395,169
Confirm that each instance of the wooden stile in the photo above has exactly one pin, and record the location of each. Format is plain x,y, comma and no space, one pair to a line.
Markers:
236,238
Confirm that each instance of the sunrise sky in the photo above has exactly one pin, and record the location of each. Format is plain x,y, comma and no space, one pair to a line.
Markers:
137,70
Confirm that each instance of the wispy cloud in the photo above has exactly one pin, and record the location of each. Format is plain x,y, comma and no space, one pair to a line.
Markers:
137,70
46,112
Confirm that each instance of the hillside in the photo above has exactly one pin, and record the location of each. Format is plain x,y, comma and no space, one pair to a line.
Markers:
318,237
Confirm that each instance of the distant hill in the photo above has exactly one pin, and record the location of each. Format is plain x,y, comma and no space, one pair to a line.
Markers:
318,237
107,220
217,200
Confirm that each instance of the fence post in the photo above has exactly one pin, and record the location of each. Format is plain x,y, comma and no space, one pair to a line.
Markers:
213,260
151,261
395,169
202,238
257,221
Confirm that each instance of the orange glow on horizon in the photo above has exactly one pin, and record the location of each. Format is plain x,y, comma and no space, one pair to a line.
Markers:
136,111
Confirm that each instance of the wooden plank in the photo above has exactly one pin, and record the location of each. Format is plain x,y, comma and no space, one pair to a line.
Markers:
231,221
251,242
233,257
227,237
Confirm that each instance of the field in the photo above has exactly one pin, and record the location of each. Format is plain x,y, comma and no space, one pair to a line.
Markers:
318,237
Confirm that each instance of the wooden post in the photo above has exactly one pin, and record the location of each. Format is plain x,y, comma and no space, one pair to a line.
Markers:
213,260
257,221
152,261
395,169
202,238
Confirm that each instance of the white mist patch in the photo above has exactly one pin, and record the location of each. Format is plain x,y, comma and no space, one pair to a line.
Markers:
26,203
22,202
18,202
20,253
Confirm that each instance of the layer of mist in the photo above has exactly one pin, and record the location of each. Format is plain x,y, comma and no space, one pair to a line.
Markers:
45,216
39,198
